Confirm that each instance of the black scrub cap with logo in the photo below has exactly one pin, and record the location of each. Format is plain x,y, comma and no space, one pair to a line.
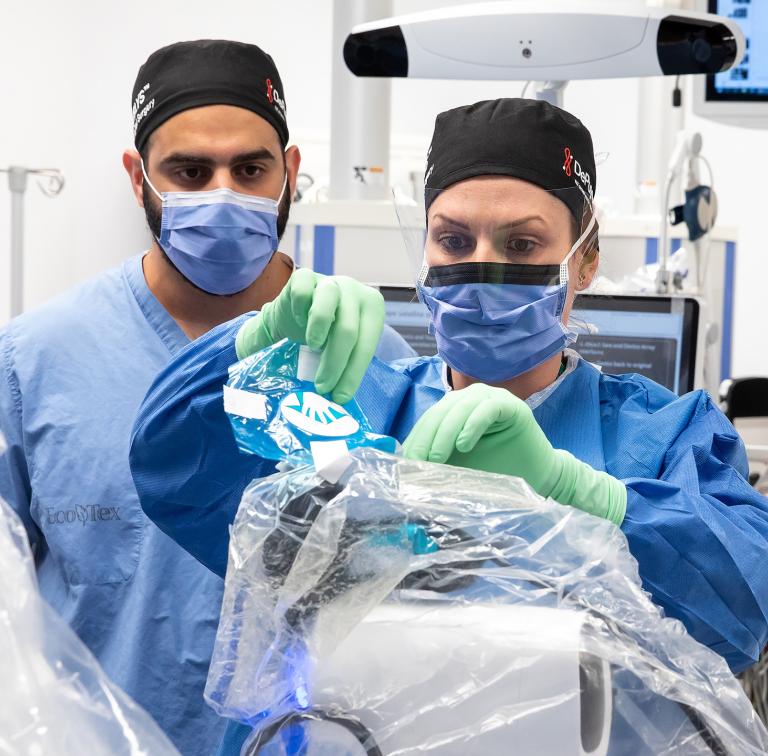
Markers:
525,139
189,75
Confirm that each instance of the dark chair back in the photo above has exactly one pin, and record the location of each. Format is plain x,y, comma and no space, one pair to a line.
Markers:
747,397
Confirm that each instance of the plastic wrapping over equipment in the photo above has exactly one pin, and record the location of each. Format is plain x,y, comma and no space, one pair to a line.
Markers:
417,608
55,698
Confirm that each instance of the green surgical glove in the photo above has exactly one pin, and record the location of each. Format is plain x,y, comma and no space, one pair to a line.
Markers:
336,315
486,428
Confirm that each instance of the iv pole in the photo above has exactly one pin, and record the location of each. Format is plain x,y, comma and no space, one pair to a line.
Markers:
17,183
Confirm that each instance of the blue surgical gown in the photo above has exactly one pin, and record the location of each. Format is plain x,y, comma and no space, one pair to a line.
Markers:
74,373
697,529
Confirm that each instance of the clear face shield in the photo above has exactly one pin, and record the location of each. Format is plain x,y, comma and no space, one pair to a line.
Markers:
496,262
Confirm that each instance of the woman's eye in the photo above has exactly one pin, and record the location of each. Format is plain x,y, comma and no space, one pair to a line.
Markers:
453,243
521,246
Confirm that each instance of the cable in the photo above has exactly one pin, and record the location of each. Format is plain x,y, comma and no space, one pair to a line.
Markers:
362,734
702,269
525,89
677,94
709,169
663,254
708,735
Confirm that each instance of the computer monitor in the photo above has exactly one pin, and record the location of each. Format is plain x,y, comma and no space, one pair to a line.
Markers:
409,318
654,336
739,96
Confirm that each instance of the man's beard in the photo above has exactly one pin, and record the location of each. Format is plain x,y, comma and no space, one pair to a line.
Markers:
153,210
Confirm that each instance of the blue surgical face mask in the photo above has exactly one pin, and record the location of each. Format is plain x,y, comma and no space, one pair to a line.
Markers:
495,321
220,240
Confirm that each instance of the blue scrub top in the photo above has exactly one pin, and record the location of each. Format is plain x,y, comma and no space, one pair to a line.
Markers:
74,373
697,529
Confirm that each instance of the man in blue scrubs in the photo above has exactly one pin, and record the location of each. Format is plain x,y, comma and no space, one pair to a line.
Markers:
505,255
210,137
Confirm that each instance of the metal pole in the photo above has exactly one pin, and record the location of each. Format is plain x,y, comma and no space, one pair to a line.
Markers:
17,183
360,113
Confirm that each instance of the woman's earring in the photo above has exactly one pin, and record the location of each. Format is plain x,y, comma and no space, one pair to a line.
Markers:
581,280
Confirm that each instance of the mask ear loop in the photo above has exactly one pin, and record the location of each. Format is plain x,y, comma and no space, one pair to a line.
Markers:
282,191
151,185
564,271
423,272
576,246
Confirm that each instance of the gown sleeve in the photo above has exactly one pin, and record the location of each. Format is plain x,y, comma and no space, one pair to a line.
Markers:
185,464
698,530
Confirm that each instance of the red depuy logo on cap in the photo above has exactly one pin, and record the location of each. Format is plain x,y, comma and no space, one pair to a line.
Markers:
273,95
568,162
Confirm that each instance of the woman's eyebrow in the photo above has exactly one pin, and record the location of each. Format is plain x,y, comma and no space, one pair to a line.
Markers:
453,222
504,227
522,221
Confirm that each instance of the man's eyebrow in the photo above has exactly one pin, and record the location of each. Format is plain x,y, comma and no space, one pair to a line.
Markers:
188,158
254,155
176,158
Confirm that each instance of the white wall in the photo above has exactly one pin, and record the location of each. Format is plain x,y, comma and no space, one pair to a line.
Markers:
67,70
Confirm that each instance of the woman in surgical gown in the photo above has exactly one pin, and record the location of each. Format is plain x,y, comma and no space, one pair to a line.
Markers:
510,241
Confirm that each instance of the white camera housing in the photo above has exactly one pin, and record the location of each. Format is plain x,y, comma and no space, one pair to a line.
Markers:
523,41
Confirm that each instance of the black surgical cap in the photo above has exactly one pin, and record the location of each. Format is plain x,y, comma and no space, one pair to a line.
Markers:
525,139
207,72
